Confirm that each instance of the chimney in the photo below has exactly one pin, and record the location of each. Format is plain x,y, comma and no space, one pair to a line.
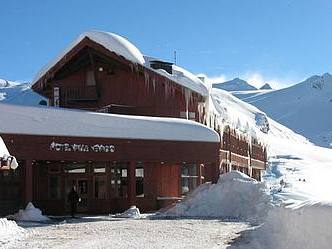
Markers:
202,78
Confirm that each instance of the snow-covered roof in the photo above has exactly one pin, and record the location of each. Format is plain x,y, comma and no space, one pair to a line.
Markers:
113,42
123,47
75,123
180,76
229,110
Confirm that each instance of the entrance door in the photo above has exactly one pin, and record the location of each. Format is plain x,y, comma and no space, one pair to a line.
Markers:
82,188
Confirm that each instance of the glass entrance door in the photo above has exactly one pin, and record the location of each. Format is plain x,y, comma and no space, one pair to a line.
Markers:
82,188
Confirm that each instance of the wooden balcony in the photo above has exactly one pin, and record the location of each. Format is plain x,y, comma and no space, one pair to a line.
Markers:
86,94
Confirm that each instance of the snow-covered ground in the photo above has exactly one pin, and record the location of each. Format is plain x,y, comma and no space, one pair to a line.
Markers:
109,232
10,232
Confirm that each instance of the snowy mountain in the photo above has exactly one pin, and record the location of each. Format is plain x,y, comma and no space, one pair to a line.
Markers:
266,86
235,84
305,108
18,93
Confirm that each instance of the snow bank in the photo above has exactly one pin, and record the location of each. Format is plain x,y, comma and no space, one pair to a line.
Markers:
234,196
133,212
9,231
308,227
30,213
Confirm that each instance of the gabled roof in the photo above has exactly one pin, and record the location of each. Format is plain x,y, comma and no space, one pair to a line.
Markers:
122,47
50,121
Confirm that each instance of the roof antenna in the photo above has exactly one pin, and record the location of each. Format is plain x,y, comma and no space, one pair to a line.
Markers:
174,57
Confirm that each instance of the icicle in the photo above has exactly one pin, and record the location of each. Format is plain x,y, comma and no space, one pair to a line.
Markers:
187,95
154,84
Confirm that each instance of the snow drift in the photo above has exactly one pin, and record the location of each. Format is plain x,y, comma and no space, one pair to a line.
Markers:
30,213
307,227
9,231
133,212
235,196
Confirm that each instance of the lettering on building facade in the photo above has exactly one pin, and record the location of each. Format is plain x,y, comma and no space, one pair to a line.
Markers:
66,147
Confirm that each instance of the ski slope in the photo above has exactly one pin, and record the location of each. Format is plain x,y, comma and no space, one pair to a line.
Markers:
18,93
305,107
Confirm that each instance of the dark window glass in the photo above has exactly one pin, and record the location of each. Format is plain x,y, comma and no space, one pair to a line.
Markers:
119,180
139,174
189,177
54,187
100,187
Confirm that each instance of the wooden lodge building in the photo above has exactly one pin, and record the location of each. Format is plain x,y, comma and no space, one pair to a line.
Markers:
141,137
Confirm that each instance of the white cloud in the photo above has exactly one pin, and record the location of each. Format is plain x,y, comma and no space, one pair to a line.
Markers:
254,78
257,79
213,79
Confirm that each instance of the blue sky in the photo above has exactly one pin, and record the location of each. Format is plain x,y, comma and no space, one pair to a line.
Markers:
278,41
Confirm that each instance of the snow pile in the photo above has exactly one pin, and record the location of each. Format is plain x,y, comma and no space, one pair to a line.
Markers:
305,228
133,213
30,213
234,196
9,231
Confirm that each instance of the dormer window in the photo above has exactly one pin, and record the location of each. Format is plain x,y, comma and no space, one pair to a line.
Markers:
90,78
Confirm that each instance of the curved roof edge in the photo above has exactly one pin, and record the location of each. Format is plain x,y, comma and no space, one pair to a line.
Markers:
49,121
121,46
113,42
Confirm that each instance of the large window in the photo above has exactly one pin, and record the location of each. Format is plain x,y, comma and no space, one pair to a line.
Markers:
75,168
100,190
90,78
119,180
139,174
189,177
54,187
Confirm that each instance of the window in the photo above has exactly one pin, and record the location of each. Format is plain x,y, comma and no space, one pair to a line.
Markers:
90,78
192,116
54,168
75,168
100,190
99,168
188,177
54,188
119,180
139,174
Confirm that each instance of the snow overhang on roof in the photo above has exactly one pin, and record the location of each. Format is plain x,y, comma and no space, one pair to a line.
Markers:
110,41
180,76
73,123
126,49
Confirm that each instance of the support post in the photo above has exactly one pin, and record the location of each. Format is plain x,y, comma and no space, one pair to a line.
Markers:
28,195
131,183
200,166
